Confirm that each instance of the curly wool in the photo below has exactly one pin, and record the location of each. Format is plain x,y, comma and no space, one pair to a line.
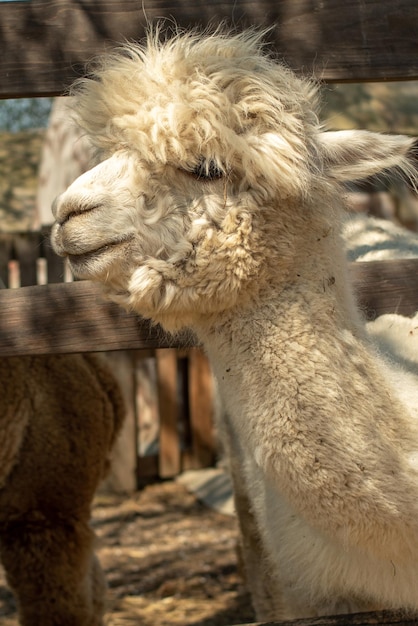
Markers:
190,97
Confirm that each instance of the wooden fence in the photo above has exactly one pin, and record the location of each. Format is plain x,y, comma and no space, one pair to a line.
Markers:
168,391
44,45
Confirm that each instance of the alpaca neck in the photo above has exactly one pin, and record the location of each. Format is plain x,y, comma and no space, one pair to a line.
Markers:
307,398
255,347
315,314
316,287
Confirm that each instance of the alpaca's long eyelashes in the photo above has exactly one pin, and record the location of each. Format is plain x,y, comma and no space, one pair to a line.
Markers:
207,170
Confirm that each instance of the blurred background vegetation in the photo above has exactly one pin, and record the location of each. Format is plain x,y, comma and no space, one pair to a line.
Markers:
386,107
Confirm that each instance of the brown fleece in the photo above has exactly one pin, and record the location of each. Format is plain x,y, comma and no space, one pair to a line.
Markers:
59,417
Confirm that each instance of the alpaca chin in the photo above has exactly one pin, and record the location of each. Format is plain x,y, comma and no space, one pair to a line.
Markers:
98,263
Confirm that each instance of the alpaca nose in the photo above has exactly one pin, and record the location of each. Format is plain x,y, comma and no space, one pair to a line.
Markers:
84,226
82,196
62,209
69,204
103,185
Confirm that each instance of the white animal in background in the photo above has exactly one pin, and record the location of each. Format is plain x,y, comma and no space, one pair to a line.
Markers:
395,336
372,239
218,207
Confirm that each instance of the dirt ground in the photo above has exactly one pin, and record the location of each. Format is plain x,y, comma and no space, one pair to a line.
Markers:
169,561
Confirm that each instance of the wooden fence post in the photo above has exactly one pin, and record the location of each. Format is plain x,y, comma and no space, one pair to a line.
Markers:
201,409
170,452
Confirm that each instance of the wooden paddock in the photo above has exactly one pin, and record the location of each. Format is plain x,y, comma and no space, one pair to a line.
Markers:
44,45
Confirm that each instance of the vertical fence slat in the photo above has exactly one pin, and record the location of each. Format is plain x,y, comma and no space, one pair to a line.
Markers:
170,452
146,402
55,267
55,264
27,250
201,409
6,246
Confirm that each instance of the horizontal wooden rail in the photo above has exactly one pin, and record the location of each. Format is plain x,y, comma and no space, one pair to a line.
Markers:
386,287
73,317
377,618
44,44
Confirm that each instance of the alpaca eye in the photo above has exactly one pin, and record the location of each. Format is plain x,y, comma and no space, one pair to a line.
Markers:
207,170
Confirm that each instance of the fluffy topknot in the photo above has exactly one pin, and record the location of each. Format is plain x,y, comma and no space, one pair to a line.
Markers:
186,97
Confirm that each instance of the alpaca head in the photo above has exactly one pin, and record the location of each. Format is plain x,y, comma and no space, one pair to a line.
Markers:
212,162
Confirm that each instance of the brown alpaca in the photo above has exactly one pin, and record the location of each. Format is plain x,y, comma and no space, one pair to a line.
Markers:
59,417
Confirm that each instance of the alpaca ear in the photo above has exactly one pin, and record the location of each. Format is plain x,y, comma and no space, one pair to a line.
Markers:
356,154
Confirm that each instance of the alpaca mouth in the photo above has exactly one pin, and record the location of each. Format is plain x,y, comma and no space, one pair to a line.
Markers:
98,260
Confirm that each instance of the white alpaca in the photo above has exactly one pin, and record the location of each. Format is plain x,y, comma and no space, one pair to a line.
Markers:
218,206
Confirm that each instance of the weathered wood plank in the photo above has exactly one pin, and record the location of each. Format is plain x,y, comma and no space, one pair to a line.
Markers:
55,264
169,456
201,409
350,40
383,618
27,247
386,286
6,247
69,317
44,44
72,317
